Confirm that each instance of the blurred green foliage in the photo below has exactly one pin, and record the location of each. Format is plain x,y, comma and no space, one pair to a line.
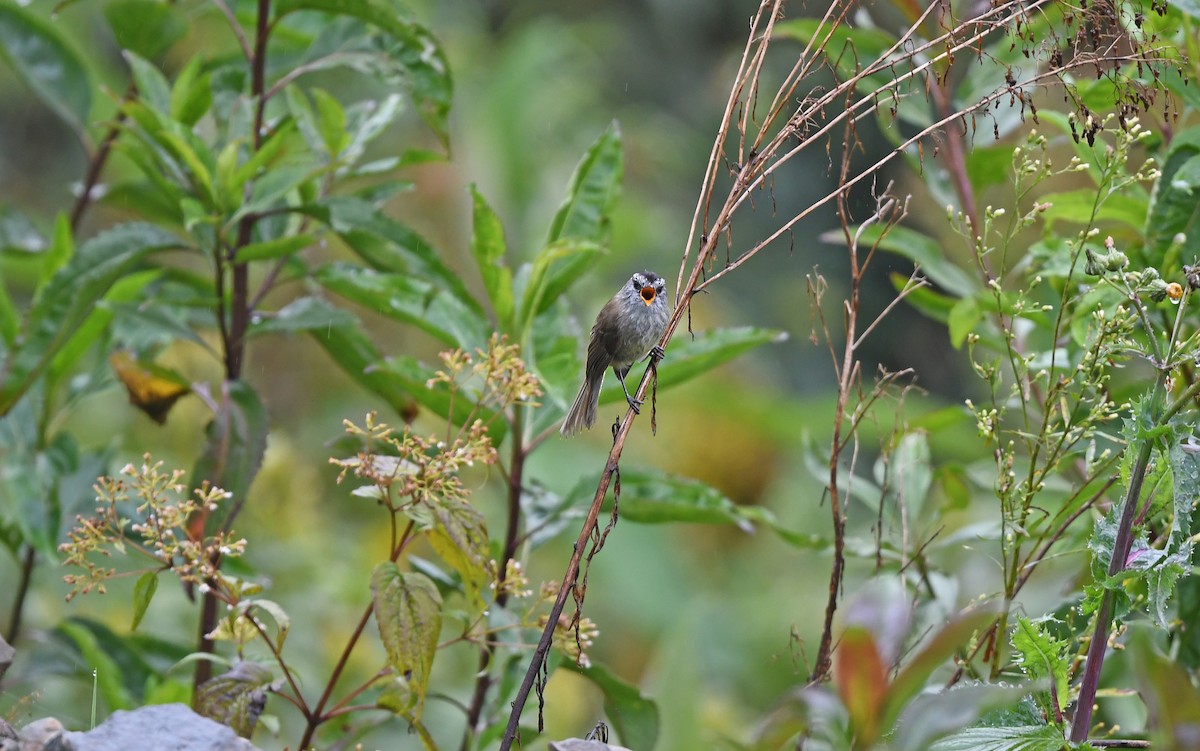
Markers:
184,220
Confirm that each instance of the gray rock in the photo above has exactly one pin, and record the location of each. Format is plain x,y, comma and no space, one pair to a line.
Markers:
162,727
6,656
41,735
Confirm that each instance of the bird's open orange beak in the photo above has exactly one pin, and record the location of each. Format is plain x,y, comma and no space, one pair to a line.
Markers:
647,294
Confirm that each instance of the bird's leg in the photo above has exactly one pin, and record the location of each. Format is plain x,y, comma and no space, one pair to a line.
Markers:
634,404
657,354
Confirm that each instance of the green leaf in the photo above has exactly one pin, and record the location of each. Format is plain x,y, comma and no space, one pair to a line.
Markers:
459,536
415,51
1166,688
1078,207
235,441
964,317
283,622
934,715
68,297
147,28
191,95
143,593
18,233
489,249
634,716
62,247
235,698
407,299
41,58
1022,738
277,248
331,122
1173,201
690,357
653,497
911,472
585,215
355,354
96,656
408,611
152,86
1040,655
916,247
1185,476
556,267
389,245
304,314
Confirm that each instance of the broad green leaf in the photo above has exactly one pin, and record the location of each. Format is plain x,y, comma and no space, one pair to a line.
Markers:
415,50
1173,201
1022,738
272,189
934,715
634,716
17,232
283,622
459,536
355,354
1185,476
1076,207
191,94
41,57
407,299
10,321
277,248
1040,655
408,611
689,357
235,441
143,593
304,314
366,120
653,497
331,122
67,299
388,245
964,317
62,247
152,86
586,213
489,249
147,28
556,267
1167,689
126,290
96,655
911,472
235,698
934,653
916,247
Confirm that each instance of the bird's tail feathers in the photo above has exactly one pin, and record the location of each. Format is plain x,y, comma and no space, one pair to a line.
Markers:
582,414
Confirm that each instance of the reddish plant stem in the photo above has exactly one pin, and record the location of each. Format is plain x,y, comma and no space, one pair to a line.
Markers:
487,652
98,160
239,314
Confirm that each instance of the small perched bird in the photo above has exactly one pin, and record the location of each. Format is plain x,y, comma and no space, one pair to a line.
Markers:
627,328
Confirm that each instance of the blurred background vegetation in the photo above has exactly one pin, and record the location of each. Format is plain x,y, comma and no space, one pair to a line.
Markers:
713,622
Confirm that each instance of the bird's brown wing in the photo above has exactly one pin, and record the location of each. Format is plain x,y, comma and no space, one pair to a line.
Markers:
603,346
